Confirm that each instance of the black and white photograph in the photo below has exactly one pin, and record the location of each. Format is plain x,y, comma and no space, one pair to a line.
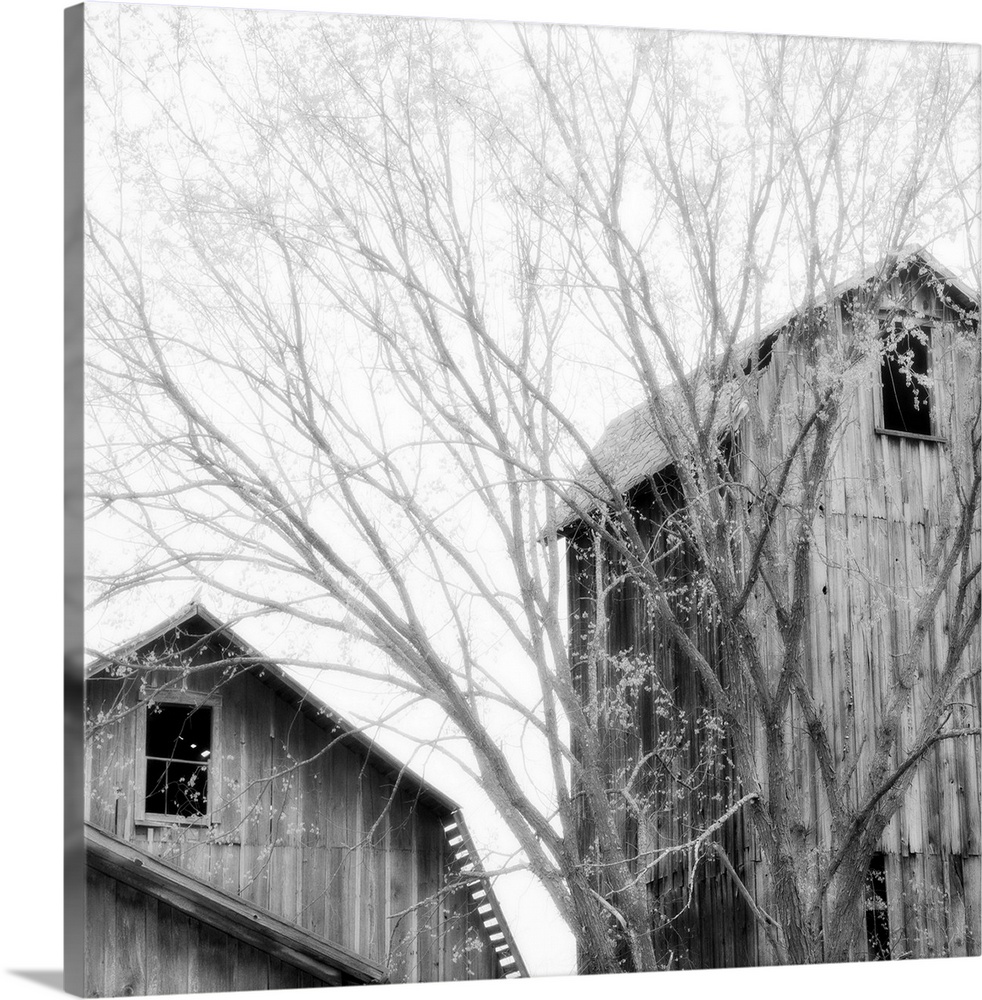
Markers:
531,499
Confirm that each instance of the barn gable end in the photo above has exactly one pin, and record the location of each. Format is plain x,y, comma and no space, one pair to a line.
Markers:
292,812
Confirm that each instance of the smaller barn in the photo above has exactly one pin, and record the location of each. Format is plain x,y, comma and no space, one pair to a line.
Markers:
241,835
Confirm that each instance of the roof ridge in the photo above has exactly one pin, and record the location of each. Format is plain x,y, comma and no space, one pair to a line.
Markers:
380,756
643,447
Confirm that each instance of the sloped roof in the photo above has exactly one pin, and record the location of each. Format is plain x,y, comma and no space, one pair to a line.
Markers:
632,448
198,621
253,924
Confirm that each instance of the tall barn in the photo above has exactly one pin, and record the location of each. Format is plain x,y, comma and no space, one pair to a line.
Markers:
240,835
900,457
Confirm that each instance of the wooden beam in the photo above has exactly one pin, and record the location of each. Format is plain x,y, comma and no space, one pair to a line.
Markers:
496,926
257,927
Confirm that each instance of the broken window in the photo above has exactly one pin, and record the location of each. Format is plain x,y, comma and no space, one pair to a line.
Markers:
877,912
178,754
904,372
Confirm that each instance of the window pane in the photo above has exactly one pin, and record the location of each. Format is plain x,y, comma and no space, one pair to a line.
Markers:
156,786
179,732
177,788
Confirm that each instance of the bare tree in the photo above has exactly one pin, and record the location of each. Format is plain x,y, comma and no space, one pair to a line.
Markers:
386,282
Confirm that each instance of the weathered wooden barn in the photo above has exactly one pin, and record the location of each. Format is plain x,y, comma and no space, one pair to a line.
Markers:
900,455
240,835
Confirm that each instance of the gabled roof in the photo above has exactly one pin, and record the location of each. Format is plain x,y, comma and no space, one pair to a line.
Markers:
631,448
196,621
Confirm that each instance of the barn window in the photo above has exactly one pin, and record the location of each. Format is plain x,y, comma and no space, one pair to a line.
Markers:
904,373
877,912
178,760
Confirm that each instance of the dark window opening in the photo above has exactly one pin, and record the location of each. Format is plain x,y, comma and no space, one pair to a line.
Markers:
178,754
903,379
877,913
760,357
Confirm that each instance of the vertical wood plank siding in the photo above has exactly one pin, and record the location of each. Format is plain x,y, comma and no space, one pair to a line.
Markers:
873,542
138,945
302,826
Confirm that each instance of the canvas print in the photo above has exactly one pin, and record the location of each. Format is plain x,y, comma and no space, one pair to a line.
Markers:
532,500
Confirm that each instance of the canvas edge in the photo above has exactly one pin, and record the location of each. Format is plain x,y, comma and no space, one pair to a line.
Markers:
74,859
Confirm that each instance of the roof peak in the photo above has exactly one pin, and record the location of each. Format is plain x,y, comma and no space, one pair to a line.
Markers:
640,450
281,680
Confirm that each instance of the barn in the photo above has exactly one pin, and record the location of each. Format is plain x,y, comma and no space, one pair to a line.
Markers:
241,835
901,460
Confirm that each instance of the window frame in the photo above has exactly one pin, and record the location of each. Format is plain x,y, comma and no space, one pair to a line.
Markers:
164,696
928,326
